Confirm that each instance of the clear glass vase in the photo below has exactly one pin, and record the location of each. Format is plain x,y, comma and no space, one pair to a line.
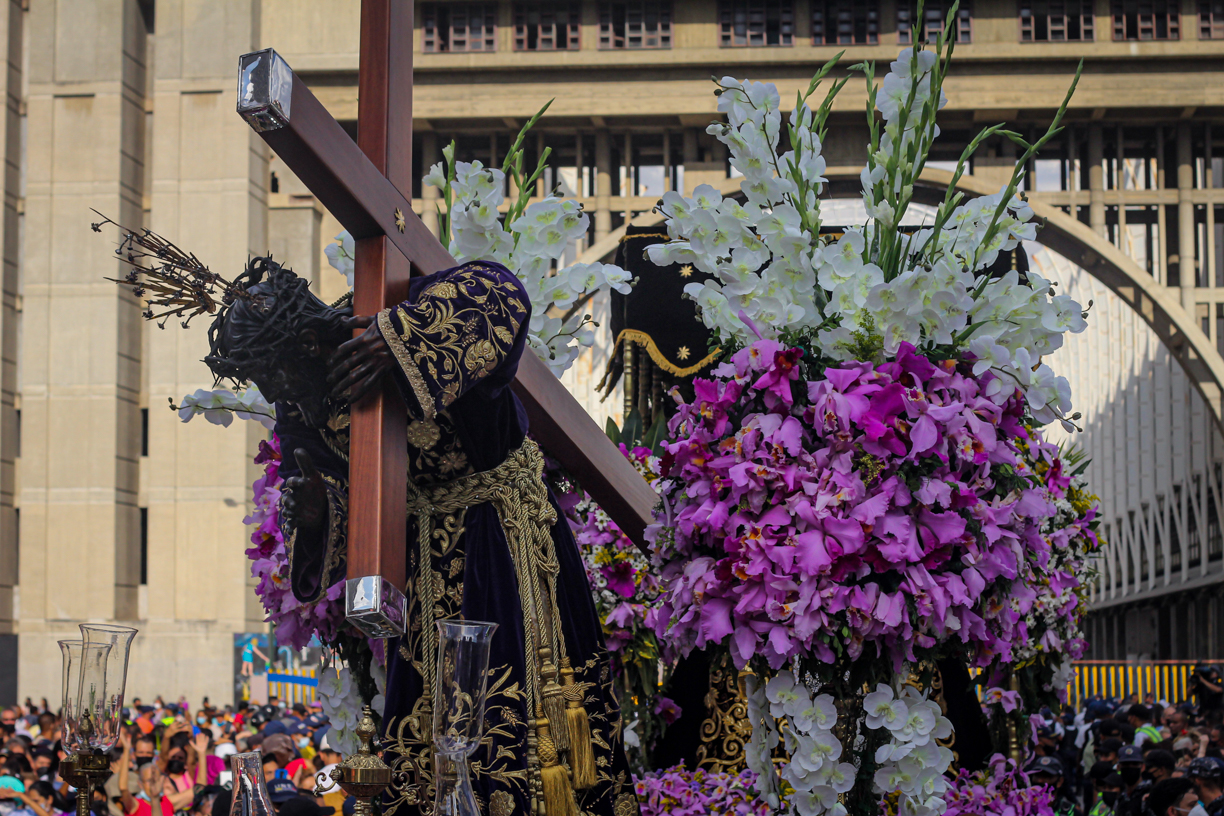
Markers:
250,793
70,651
458,711
103,681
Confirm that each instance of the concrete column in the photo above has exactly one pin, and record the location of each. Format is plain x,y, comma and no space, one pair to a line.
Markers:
603,184
210,194
1096,179
81,367
1186,261
429,193
11,18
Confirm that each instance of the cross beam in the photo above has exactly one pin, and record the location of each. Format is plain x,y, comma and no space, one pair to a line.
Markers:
297,127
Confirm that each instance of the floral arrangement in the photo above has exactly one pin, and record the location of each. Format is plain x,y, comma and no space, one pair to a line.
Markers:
626,595
528,239
679,792
1054,624
851,496
1002,788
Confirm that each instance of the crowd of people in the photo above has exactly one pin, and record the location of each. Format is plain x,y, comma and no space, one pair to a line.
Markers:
172,760
1110,758
1134,757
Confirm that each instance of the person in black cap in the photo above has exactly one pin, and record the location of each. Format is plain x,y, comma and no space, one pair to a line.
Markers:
1109,790
1048,770
281,790
1130,768
1207,775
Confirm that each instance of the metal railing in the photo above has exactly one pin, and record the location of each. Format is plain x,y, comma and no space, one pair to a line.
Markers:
293,685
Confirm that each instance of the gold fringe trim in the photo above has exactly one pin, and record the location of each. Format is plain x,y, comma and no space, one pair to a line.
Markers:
625,238
647,342
402,355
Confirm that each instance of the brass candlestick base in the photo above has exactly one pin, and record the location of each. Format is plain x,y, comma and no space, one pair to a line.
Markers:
83,772
363,775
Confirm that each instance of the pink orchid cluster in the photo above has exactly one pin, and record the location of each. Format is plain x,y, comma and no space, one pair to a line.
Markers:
879,507
625,591
295,622
1000,789
1052,627
679,792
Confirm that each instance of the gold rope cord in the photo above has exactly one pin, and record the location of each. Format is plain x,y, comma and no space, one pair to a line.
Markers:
517,492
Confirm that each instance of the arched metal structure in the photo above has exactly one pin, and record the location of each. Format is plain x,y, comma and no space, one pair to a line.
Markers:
1065,235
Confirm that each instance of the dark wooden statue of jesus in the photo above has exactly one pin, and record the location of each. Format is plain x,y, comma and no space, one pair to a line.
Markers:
486,540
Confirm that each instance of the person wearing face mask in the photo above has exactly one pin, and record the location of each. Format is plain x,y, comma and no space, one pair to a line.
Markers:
145,749
37,800
1206,774
183,770
1109,790
1130,768
1172,797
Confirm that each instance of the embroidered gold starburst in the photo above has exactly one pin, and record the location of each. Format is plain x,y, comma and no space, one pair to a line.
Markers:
686,271
400,223
683,352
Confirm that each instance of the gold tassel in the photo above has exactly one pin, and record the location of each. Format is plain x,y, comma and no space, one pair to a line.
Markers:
558,795
554,701
582,752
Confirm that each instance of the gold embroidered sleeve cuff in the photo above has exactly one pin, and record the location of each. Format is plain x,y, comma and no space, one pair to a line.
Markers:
462,330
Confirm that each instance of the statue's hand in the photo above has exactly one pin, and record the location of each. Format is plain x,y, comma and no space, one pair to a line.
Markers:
304,497
359,364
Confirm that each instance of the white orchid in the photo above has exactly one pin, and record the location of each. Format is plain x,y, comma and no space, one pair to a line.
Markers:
220,405
530,240
342,704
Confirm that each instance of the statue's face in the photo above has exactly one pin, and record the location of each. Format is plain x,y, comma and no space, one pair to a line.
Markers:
298,378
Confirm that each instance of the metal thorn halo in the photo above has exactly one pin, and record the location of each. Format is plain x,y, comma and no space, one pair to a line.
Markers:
168,279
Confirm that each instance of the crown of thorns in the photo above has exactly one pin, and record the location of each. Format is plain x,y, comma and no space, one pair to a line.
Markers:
171,281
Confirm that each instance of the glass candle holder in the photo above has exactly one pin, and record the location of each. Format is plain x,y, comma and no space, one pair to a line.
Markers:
250,796
458,711
103,682
70,652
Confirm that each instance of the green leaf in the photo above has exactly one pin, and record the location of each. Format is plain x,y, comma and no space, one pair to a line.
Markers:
631,431
613,432
655,436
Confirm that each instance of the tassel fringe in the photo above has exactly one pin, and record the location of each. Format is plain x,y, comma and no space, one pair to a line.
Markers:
558,794
582,752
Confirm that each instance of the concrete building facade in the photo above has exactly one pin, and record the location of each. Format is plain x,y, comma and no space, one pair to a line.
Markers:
111,509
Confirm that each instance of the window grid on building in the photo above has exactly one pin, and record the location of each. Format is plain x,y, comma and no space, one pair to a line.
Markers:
1056,20
1146,20
458,27
546,26
1211,20
748,23
934,15
845,22
643,24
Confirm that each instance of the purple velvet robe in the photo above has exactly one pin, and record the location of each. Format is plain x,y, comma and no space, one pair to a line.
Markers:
458,340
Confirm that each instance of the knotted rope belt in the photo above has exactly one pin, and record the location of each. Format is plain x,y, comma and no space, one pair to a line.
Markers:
517,492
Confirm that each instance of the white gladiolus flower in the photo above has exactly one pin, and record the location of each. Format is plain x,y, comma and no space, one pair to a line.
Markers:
770,263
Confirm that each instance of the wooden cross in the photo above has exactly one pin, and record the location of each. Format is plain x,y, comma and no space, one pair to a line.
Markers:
361,184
